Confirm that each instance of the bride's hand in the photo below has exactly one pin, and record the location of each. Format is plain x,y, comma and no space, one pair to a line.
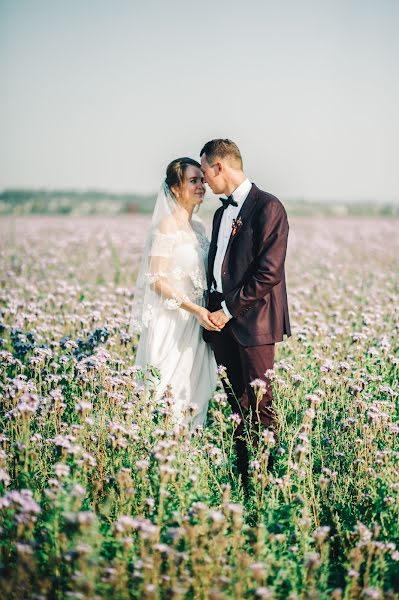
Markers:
202,315
219,318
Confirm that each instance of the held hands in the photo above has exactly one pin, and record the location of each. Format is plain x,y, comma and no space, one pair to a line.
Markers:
214,321
204,318
219,318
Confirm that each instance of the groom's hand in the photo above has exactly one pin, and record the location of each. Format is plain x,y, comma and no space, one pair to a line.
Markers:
203,315
219,318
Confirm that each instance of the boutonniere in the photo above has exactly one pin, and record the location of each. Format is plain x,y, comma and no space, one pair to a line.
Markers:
235,226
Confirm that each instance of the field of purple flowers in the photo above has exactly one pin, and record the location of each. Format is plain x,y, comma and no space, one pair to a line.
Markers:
101,496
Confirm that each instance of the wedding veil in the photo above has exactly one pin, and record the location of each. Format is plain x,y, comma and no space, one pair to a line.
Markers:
166,219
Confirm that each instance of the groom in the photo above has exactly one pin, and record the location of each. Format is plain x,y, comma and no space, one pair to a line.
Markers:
247,293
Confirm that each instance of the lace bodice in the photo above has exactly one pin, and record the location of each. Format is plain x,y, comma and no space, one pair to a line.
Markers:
183,261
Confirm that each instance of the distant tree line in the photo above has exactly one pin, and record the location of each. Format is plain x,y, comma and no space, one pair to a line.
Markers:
94,202
21,201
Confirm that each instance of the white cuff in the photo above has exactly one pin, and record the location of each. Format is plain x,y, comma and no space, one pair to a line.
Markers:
226,310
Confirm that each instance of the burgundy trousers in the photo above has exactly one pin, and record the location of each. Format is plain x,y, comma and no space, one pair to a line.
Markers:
244,365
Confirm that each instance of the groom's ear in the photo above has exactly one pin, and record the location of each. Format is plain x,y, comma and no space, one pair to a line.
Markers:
219,166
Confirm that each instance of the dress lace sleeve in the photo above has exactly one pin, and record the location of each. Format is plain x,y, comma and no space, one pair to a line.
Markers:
162,244
161,268
160,256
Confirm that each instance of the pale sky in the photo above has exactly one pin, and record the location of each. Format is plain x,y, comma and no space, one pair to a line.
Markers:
99,94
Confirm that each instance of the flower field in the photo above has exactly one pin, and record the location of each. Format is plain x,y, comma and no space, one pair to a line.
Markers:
102,496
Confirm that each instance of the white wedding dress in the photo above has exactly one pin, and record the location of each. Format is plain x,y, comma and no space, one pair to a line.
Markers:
175,258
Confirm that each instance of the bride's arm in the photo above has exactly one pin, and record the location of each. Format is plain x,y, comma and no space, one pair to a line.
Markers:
159,267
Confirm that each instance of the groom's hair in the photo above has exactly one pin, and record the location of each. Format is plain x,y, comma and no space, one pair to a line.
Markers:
222,149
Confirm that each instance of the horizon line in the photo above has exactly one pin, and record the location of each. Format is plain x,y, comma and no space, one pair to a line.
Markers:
291,197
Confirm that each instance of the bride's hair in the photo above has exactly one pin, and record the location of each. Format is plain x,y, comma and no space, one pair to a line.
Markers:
176,169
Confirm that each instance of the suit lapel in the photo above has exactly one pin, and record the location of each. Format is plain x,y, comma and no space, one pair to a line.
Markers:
244,214
214,244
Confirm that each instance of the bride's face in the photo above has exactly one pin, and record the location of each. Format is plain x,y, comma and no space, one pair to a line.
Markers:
191,192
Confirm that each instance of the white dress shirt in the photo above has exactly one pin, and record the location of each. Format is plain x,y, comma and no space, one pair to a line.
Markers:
231,212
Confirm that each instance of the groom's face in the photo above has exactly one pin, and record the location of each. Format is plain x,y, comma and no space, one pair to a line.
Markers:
212,175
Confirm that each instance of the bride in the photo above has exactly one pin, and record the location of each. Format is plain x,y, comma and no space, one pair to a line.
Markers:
169,304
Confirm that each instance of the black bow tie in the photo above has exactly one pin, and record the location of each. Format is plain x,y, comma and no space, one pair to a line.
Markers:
227,201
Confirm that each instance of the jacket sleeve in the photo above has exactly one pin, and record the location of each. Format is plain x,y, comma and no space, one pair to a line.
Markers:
268,266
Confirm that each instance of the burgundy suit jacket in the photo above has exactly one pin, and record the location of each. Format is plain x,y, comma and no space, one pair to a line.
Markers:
253,276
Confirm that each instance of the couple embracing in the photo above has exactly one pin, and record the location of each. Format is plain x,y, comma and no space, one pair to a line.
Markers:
199,304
